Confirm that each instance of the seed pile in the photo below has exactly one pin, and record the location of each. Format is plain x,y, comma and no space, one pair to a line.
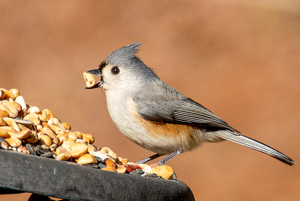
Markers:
27,129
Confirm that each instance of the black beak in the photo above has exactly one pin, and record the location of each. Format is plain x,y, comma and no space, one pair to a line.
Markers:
96,72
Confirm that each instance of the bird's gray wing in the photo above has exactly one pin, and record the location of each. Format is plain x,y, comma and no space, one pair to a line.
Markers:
183,111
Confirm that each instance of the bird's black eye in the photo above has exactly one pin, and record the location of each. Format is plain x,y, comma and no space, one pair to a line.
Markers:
115,70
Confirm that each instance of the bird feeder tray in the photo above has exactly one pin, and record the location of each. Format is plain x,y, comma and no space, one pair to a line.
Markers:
43,176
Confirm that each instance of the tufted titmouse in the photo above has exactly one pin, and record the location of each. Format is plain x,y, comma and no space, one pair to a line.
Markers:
158,117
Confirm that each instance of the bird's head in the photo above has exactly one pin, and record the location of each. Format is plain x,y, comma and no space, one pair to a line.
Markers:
122,69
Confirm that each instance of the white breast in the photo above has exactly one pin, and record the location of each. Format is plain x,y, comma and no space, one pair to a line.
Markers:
121,111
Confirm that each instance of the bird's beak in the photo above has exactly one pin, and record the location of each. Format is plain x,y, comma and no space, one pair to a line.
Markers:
96,72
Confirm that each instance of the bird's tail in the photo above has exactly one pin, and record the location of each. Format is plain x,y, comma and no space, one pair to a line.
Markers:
253,144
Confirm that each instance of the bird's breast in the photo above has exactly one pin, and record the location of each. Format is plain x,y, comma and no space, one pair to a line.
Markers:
162,138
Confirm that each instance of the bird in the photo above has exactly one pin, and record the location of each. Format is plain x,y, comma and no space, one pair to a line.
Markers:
156,116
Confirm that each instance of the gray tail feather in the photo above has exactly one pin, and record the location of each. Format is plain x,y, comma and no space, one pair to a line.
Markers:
253,144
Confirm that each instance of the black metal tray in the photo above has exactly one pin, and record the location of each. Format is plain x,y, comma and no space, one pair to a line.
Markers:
27,173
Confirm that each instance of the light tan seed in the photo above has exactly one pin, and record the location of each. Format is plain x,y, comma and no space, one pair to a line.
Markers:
10,106
53,121
146,168
4,108
21,135
121,169
8,94
60,150
6,105
85,138
79,134
47,131
81,141
67,144
8,129
91,148
17,106
11,122
34,118
78,149
72,137
15,92
86,159
56,129
99,155
21,101
43,116
39,128
63,156
109,152
165,171
49,114
89,79
33,138
67,126
90,137
3,113
56,122
46,140
63,137
44,124
4,134
34,110
13,140
111,166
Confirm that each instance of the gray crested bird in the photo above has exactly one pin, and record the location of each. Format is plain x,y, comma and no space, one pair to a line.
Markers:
156,116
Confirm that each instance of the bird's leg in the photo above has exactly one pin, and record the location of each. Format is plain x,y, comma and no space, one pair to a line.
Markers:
148,159
163,161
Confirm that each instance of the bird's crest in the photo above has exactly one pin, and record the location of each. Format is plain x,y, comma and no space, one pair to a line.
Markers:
124,54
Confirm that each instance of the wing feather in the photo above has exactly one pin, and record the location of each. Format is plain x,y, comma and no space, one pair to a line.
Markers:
185,111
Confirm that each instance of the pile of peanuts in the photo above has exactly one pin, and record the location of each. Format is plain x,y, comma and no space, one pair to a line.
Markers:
29,130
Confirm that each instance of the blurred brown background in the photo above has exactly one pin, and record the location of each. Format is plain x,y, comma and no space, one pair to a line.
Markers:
240,59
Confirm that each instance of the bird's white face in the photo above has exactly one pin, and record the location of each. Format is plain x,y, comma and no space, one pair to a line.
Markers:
111,76
118,78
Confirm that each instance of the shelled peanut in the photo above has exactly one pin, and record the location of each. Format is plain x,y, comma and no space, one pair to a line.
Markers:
21,123
30,130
